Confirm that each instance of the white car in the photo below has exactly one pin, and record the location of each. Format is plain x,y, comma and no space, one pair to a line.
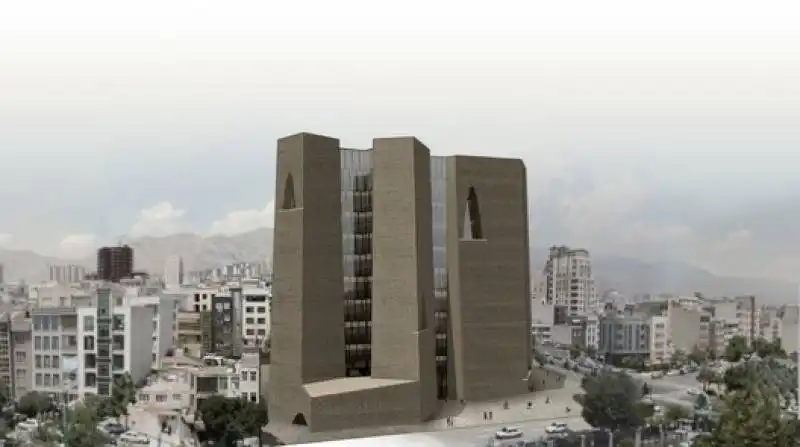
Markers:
693,392
556,428
506,433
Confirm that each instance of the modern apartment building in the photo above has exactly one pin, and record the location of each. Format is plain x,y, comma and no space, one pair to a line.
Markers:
624,335
164,322
173,272
431,257
568,280
256,316
6,353
114,263
660,346
67,273
748,315
224,339
22,354
790,328
81,347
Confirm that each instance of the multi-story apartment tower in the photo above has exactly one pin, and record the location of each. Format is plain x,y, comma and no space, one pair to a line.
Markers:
22,351
67,273
568,280
6,354
114,263
223,333
748,315
173,272
429,256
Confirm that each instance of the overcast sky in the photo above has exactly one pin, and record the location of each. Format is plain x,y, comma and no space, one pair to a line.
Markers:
664,130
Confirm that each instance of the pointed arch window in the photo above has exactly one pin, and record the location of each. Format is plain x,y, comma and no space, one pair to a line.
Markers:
473,228
288,194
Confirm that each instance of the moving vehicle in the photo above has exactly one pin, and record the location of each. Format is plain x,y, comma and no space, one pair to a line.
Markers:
693,392
508,433
556,428
132,439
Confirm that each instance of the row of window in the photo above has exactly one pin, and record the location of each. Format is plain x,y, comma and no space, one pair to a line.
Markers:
45,343
257,309
47,380
47,362
46,322
259,332
255,320
144,397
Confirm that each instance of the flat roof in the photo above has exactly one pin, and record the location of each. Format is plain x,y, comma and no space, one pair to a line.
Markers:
349,384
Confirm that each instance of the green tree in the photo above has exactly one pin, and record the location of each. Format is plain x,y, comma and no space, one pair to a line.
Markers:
764,349
769,373
751,417
675,413
228,420
736,349
706,376
679,358
34,404
81,429
575,351
698,355
612,401
123,393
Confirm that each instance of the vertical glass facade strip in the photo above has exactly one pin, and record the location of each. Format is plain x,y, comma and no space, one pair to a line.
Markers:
440,285
356,166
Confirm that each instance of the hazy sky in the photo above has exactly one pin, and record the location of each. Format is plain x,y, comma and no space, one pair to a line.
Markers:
657,130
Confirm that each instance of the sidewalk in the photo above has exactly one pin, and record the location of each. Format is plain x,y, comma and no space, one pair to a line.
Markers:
473,414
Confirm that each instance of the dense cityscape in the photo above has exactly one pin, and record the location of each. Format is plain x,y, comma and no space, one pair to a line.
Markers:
398,306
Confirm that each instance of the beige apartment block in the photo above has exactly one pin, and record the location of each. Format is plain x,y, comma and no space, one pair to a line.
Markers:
356,325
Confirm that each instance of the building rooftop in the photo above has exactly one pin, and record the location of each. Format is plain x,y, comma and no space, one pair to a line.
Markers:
348,384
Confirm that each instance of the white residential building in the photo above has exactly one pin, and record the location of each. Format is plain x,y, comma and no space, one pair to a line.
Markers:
568,280
592,331
164,323
113,340
80,348
660,345
256,316
199,299
173,272
67,273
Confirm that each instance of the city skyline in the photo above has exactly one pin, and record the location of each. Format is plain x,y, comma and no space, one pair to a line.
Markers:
643,138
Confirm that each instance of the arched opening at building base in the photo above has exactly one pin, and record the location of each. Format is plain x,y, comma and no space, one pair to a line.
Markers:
300,419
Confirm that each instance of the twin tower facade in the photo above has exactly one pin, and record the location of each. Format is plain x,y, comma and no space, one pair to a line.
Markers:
400,280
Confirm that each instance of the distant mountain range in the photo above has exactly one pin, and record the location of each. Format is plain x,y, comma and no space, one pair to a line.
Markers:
626,275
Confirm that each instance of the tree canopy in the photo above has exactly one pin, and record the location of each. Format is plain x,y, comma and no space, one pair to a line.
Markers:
123,393
751,418
612,400
698,355
736,349
767,373
228,420
34,404
764,348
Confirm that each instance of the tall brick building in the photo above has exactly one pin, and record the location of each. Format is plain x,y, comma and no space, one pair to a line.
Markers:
114,263
400,280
